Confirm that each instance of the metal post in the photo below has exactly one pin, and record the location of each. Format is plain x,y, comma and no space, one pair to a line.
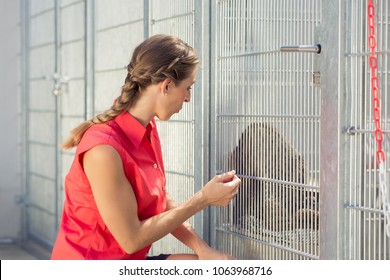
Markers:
57,69
331,147
146,18
212,112
89,56
25,42
201,113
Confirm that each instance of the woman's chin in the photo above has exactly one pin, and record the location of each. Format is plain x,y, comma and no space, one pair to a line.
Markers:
164,118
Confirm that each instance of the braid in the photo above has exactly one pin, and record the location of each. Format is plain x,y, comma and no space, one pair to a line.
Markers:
121,104
129,94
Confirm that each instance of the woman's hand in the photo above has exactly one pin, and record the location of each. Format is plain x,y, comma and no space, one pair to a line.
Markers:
209,253
220,190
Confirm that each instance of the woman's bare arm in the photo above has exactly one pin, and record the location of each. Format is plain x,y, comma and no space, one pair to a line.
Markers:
117,203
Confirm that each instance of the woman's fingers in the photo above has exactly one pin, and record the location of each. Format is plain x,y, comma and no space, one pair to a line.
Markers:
234,182
226,177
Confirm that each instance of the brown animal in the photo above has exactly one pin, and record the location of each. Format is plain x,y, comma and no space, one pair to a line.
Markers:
272,195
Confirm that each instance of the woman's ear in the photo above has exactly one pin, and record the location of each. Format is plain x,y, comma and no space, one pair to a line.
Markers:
164,87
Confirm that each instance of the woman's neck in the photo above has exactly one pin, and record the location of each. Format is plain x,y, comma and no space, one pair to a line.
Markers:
143,110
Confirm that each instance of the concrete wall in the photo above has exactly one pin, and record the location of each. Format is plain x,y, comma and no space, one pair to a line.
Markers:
10,214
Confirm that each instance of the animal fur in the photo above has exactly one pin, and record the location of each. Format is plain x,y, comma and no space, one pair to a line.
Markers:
270,196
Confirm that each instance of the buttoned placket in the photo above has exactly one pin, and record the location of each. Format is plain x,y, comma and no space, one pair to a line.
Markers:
151,150
148,145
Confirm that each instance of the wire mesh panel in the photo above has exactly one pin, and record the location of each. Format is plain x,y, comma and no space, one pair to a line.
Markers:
365,227
41,124
267,128
177,134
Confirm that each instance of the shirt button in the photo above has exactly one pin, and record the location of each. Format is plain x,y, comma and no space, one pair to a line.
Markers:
155,165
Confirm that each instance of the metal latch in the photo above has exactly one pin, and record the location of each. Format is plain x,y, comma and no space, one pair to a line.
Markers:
59,81
302,48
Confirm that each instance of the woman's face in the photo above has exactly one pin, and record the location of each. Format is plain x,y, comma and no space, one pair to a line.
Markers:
175,96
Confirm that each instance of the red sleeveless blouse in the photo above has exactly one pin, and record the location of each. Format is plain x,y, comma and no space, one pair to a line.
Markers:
83,233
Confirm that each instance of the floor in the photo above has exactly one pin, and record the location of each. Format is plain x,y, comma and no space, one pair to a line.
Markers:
12,250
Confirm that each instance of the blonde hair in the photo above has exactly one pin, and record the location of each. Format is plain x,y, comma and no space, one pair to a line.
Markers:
155,59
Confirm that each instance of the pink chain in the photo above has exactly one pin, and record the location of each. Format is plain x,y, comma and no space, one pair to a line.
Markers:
380,154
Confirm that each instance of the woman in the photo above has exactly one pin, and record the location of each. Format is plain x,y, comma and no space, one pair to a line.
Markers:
116,204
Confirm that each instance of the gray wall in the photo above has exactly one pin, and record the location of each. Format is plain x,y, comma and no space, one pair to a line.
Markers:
9,118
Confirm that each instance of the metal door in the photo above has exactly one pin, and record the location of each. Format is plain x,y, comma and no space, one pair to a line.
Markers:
267,127
53,78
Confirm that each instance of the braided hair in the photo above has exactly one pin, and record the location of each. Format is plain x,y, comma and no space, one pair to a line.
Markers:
157,58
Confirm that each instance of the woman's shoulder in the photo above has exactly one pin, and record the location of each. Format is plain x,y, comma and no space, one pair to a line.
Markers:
100,134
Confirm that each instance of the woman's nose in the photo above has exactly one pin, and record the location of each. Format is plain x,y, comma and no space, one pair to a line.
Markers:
188,97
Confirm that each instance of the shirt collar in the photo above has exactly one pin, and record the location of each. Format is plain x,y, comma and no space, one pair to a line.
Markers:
133,129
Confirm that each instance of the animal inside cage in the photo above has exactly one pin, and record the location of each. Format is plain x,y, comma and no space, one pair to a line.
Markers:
277,202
